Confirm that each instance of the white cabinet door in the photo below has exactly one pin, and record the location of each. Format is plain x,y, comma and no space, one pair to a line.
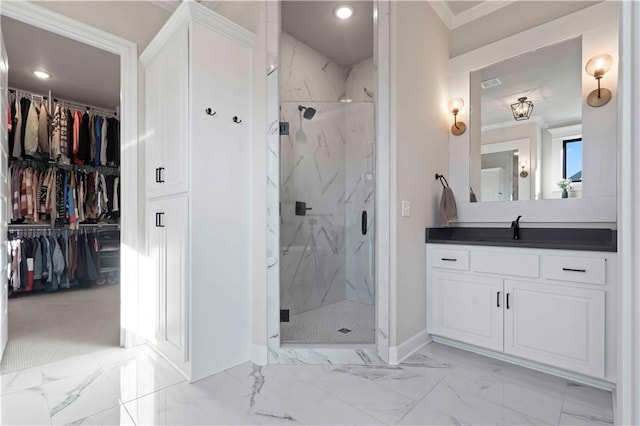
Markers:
468,308
556,325
153,138
166,118
167,226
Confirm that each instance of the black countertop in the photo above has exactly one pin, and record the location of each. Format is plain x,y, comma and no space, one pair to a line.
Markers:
588,239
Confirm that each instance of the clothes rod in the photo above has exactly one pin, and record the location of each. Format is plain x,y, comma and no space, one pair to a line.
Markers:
27,93
76,105
48,226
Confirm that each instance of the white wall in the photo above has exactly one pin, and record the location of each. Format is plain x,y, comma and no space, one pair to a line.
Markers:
419,148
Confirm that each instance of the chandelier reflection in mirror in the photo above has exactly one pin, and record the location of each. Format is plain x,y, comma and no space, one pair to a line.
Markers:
522,109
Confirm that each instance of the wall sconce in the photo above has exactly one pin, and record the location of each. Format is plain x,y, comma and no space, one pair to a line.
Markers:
455,106
522,109
597,67
523,169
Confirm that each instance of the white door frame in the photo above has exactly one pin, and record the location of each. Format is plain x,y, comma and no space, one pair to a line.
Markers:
128,51
627,394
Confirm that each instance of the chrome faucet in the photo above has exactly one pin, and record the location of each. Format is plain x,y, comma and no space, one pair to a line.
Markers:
515,225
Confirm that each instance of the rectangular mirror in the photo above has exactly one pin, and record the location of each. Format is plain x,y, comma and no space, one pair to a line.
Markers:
530,115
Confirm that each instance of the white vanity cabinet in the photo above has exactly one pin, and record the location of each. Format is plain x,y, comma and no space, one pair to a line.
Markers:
549,307
197,142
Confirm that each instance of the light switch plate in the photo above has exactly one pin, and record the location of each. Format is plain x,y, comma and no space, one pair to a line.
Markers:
406,208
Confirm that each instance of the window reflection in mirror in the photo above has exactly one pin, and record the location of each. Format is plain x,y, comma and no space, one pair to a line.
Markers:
524,159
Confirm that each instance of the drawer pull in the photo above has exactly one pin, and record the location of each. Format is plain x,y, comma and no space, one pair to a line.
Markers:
507,300
574,270
498,300
448,259
159,223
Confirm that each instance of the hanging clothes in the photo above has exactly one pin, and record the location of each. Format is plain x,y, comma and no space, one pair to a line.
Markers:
31,131
43,131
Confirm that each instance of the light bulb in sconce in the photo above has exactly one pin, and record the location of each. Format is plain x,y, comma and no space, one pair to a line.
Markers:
523,169
455,106
597,67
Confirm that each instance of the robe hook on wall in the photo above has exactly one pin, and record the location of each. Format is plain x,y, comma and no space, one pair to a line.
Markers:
209,111
236,119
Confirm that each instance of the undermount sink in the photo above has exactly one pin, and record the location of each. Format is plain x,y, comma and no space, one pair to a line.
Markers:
591,239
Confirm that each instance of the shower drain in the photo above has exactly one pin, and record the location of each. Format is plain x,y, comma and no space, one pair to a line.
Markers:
344,330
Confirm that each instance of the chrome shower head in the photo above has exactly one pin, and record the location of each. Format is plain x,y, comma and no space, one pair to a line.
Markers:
308,112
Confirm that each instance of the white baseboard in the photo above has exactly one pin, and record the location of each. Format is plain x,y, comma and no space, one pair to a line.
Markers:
555,371
404,350
259,354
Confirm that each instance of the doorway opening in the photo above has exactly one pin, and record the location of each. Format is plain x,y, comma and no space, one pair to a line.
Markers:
62,157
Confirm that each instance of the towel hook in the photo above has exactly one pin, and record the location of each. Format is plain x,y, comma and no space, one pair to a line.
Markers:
236,120
441,178
209,111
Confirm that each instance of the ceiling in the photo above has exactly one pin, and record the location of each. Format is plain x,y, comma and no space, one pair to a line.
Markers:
344,42
79,72
550,77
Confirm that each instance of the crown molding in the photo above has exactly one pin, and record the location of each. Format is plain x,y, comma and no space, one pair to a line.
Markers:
443,11
452,21
478,12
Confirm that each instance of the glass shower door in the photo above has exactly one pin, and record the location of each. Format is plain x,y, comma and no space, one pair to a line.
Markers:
327,161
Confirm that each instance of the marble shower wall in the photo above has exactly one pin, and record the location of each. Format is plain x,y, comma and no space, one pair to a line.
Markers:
307,75
328,163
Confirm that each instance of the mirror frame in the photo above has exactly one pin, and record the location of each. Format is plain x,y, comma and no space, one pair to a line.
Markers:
598,27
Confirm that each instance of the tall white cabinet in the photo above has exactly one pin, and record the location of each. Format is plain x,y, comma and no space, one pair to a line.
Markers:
197,122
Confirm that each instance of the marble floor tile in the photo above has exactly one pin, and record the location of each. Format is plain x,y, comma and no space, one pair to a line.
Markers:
373,398
413,382
574,410
221,399
517,396
107,357
449,404
79,396
25,407
597,398
137,377
113,416
20,380
69,367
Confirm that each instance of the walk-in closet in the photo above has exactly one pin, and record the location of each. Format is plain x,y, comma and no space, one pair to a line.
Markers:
61,170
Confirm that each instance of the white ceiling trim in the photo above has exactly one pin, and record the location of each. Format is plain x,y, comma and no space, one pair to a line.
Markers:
478,12
454,21
443,11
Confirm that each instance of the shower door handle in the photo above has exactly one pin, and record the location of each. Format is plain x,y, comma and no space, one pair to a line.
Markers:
364,222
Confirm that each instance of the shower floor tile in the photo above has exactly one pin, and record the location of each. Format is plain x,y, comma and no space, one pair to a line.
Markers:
328,324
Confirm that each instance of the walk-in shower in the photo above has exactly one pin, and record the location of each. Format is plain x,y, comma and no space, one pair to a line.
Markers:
326,223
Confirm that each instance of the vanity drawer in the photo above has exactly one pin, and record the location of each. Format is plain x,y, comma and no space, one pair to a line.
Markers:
451,259
589,270
514,264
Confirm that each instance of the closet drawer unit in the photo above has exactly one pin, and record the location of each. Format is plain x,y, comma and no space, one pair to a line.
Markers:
588,270
451,259
513,264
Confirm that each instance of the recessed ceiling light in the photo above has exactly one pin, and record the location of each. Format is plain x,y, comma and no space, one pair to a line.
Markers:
343,12
41,74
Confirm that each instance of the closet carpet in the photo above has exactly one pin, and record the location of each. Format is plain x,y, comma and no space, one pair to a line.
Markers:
49,327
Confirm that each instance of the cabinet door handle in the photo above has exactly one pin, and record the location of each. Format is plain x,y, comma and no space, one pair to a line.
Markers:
498,300
160,178
157,175
508,301
159,216
363,223
574,270
448,259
